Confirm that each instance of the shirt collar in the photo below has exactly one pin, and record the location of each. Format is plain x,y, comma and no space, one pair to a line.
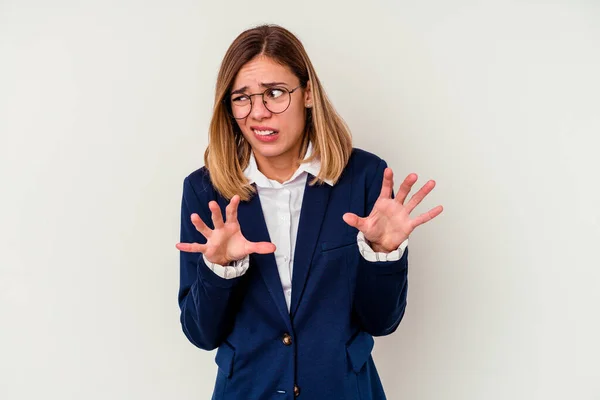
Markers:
255,176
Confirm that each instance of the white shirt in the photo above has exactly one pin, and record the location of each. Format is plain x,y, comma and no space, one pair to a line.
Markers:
281,204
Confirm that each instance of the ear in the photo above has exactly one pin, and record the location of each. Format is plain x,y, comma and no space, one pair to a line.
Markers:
308,101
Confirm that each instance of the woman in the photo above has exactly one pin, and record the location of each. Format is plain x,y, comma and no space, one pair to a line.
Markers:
310,261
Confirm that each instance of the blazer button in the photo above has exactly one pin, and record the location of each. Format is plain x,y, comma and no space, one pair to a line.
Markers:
286,339
296,391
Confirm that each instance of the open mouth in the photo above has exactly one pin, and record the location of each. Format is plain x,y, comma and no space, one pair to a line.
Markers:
264,133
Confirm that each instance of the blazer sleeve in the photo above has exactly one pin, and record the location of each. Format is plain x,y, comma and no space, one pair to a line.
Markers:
381,287
208,302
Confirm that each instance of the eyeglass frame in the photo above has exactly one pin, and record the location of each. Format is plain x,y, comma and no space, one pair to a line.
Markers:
227,100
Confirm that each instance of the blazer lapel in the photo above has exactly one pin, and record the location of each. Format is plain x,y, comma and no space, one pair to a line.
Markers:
252,223
314,204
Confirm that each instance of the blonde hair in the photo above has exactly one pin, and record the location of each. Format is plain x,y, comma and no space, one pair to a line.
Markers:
228,152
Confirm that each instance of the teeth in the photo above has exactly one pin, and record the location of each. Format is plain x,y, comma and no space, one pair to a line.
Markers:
263,133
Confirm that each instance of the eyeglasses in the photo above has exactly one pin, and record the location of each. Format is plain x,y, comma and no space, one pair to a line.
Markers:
275,99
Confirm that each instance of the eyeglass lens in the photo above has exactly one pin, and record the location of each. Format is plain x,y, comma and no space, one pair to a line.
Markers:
276,100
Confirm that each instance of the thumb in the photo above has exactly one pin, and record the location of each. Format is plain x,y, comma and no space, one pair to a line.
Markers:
261,247
353,220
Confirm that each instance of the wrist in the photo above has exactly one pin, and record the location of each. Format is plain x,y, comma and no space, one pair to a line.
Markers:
381,249
219,261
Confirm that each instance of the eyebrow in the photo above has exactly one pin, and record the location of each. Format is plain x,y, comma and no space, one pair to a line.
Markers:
265,84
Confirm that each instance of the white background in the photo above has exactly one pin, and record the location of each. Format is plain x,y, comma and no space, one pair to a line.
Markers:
104,109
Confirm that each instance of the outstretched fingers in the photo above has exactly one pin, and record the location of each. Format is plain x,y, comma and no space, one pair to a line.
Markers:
388,184
200,225
405,187
216,215
191,247
419,196
231,209
427,216
354,221
260,247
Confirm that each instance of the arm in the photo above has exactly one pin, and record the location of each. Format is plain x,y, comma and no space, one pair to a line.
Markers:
208,302
381,286
380,295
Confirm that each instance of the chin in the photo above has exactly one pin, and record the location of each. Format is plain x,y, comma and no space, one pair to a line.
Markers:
268,151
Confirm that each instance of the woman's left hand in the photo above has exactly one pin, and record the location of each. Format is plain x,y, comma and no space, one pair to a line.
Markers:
389,223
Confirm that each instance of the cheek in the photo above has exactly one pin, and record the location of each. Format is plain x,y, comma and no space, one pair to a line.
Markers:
296,119
245,129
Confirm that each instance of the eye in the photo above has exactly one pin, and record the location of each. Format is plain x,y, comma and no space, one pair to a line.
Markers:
240,98
274,93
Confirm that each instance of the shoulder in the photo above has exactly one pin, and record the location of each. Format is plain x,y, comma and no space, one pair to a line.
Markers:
198,184
364,158
199,175
364,163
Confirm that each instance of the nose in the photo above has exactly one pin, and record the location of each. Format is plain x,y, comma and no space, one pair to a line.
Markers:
259,111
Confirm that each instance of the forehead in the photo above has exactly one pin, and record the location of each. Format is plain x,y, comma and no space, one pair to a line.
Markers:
263,70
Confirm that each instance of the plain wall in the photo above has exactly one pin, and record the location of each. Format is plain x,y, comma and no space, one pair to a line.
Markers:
104,109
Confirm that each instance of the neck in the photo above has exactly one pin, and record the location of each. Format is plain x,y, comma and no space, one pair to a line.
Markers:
278,169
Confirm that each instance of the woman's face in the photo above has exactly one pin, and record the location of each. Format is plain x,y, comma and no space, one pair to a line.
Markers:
275,138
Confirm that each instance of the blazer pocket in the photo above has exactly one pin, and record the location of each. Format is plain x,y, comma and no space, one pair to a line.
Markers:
224,358
340,243
359,349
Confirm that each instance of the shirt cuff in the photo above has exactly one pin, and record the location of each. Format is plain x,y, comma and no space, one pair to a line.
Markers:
238,268
370,255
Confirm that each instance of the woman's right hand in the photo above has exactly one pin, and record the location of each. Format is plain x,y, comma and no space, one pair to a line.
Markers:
225,243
